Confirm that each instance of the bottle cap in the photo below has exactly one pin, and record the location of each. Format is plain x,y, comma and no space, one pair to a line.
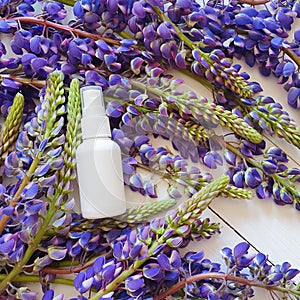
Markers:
94,121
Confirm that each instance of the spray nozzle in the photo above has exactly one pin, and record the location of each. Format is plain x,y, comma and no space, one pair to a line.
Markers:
92,100
94,121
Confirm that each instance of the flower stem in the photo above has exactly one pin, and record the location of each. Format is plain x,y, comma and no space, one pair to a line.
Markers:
67,2
254,2
70,270
225,277
29,81
292,55
66,28
36,278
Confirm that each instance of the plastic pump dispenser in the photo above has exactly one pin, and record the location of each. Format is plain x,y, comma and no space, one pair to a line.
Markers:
99,165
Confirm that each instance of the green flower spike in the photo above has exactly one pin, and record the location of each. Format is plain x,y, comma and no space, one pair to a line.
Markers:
10,129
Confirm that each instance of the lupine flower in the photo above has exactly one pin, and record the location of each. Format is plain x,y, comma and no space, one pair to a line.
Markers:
155,35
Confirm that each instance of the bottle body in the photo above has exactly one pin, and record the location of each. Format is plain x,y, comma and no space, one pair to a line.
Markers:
100,178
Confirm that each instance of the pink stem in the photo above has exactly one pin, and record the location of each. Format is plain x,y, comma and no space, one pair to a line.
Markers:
215,275
65,28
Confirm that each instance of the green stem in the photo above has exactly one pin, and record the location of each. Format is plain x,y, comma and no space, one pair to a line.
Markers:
36,278
67,2
292,55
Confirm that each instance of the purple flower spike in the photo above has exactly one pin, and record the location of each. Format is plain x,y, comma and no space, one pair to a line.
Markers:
153,271
172,263
291,273
263,192
185,4
78,280
277,154
180,60
121,251
230,158
252,177
285,196
4,26
173,192
136,181
288,69
35,45
38,63
9,210
136,65
166,50
238,179
34,206
141,140
138,9
115,79
134,283
57,253
103,46
55,10
150,189
294,97
114,109
149,33
7,246
30,190
164,32
175,242
78,9
211,159
98,264
243,19
108,272
240,249
269,166
48,295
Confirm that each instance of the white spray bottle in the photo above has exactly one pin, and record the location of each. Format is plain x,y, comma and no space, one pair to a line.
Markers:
99,164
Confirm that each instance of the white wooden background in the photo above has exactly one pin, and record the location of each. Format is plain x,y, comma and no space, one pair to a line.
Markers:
271,229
